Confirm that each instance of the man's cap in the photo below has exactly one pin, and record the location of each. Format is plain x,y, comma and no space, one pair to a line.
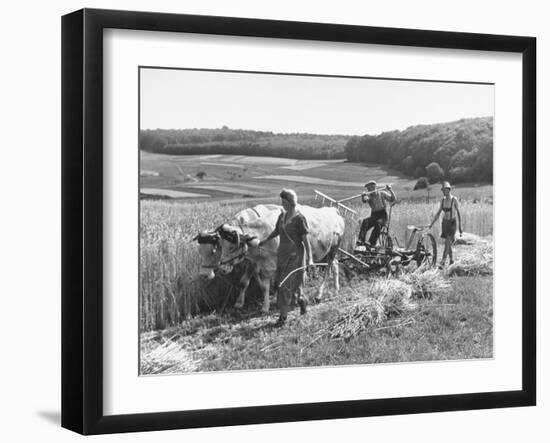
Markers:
445,185
371,182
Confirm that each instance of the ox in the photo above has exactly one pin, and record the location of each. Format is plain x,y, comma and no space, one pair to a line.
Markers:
240,242
210,251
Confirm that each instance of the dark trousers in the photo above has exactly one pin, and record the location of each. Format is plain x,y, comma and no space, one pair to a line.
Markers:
375,222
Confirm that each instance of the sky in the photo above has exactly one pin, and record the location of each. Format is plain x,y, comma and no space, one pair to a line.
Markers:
182,99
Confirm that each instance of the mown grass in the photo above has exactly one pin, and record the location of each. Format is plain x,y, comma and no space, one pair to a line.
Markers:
454,324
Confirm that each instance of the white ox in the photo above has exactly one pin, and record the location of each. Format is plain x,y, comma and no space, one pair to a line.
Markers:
210,251
240,242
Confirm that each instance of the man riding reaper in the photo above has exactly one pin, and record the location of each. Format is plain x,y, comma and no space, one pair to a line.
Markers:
376,198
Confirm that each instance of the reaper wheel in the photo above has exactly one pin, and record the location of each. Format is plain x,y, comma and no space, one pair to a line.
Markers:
385,241
426,250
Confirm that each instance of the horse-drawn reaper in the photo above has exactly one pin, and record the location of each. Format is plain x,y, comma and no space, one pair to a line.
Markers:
386,254
247,240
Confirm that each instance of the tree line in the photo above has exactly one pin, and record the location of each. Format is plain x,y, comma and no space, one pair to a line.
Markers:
460,151
242,142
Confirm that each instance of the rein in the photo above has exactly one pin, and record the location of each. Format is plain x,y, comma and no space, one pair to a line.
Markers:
301,268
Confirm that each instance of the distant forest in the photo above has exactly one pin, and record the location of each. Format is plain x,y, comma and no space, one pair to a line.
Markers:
242,142
460,151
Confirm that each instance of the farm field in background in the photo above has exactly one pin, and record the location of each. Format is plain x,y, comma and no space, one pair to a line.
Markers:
259,179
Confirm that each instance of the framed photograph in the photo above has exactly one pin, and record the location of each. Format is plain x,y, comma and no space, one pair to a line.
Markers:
268,221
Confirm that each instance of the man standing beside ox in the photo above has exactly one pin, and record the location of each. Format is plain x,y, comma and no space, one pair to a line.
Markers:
379,216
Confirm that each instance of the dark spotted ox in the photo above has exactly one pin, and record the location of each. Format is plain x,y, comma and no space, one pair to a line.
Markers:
210,251
241,242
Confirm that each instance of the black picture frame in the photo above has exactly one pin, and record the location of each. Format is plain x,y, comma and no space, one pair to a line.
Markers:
82,218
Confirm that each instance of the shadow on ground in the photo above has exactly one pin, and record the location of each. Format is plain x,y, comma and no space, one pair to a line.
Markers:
53,417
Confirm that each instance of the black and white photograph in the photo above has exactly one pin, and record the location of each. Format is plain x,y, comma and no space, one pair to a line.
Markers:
275,221
292,221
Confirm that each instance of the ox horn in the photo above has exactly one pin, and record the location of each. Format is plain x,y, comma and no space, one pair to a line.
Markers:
196,237
238,238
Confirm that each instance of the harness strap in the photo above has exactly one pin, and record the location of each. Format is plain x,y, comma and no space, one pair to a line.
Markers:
232,259
450,208
257,213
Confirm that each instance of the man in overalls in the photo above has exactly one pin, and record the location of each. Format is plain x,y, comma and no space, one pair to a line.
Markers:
379,216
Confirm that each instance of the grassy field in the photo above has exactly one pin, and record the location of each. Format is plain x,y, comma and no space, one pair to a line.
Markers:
189,325
455,324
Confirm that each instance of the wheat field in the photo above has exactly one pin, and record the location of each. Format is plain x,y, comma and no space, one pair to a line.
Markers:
170,290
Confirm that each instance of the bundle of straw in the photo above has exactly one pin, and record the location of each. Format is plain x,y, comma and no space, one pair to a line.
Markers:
368,311
383,298
395,296
426,282
468,238
474,261
170,357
